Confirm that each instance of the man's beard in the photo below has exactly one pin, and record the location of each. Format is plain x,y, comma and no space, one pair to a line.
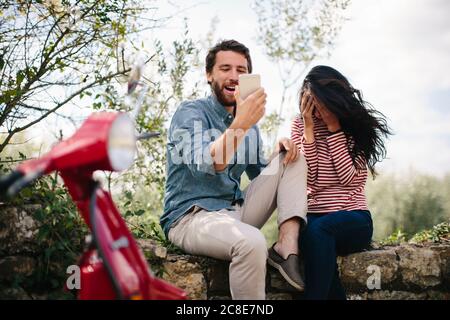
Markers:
221,96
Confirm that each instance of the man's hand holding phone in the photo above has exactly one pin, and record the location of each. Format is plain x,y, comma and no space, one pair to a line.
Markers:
250,102
248,112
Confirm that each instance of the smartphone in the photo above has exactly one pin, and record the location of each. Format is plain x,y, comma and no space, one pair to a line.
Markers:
248,83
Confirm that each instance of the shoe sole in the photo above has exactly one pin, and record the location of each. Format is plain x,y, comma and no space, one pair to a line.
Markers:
285,275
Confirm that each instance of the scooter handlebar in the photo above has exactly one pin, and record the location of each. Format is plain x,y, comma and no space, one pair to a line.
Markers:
7,181
147,135
12,183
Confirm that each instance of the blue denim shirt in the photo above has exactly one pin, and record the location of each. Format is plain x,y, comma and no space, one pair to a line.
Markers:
191,177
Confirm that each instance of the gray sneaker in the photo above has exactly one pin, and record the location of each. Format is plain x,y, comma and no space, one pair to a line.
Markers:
289,268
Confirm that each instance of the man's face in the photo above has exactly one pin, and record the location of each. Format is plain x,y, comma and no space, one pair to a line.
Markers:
225,75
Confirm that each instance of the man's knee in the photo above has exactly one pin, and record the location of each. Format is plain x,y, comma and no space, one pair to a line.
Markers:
298,167
252,244
300,163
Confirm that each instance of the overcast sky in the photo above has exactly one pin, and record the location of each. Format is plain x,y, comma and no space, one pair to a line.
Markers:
396,52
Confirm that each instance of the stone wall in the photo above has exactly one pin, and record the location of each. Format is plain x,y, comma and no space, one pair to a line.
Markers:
404,272
18,248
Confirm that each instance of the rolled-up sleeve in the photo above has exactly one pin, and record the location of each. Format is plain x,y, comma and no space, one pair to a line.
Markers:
190,140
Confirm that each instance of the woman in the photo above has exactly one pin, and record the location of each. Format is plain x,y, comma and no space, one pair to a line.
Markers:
341,137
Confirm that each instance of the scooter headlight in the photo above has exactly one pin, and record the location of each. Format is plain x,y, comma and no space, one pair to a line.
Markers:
121,143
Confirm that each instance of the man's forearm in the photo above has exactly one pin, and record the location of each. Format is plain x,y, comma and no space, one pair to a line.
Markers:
223,149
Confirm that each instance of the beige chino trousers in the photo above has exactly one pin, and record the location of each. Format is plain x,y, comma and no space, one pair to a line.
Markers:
234,235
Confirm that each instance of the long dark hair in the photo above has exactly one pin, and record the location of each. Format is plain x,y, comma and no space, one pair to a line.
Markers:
359,120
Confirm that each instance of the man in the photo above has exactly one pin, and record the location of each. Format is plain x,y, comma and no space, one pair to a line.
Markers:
211,143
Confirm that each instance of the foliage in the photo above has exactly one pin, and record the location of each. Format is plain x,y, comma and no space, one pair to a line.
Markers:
394,239
440,233
409,202
60,237
144,223
298,31
47,46
142,220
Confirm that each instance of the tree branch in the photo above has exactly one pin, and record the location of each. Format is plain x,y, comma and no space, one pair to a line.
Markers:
59,105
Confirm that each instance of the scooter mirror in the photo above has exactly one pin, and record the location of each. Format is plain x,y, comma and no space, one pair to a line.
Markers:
135,76
121,143
134,81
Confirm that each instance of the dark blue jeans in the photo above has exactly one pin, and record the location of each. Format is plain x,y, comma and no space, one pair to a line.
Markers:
324,238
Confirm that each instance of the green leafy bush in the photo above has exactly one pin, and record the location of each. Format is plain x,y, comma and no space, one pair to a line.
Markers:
396,238
438,234
143,221
60,237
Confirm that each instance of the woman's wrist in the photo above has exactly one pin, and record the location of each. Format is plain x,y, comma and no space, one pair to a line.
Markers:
309,135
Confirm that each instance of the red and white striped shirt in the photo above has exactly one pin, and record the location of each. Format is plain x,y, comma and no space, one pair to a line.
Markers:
334,182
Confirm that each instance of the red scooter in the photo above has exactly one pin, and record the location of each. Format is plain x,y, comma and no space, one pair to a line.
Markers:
113,267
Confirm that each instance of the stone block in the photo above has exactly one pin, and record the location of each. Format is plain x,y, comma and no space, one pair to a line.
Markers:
419,266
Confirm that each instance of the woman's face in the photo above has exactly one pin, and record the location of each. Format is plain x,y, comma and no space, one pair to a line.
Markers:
317,113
